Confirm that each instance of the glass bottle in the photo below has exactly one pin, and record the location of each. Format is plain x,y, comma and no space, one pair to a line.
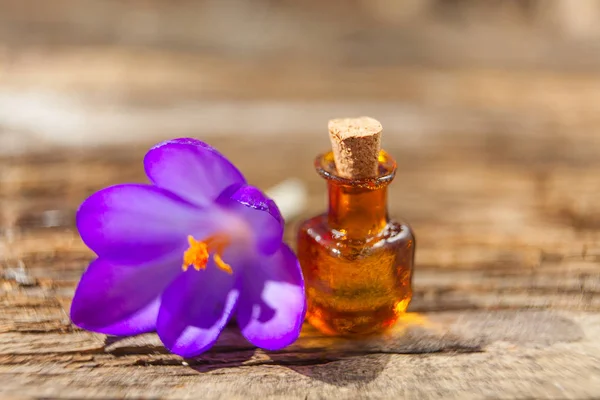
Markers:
357,263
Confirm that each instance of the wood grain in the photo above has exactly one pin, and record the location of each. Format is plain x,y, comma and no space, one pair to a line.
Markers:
490,108
507,280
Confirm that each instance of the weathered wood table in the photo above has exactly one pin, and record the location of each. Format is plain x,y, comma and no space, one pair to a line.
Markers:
507,280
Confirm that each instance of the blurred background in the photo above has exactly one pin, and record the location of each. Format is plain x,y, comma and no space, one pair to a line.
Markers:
491,108
84,73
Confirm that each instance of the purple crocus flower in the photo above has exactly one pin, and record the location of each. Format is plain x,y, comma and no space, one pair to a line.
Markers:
187,253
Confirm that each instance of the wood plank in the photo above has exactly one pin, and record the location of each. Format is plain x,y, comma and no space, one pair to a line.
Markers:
507,281
474,354
497,149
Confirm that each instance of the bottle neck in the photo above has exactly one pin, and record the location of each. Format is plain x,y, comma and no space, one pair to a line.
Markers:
357,212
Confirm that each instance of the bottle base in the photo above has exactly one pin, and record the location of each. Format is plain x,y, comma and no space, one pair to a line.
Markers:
352,324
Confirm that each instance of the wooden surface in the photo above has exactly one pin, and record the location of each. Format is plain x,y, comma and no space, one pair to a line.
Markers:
492,110
507,280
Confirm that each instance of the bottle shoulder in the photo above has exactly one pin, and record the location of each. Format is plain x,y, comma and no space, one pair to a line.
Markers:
398,230
318,229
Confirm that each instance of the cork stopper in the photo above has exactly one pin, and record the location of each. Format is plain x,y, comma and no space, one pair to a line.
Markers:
356,143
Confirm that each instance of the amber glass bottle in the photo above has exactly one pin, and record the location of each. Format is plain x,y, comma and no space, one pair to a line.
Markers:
356,262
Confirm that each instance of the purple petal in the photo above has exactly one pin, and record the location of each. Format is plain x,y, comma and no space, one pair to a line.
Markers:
121,300
138,223
272,303
261,214
252,197
196,308
191,169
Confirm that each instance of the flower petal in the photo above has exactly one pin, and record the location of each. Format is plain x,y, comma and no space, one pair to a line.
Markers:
272,303
261,214
138,223
252,197
121,300
196,308
191,169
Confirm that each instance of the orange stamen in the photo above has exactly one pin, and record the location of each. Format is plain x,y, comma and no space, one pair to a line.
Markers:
198,253
222,264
